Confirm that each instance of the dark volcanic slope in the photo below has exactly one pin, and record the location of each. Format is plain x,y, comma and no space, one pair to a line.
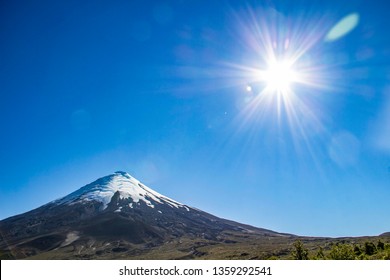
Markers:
116,209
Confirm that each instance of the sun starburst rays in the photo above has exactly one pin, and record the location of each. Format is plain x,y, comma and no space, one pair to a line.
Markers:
286,80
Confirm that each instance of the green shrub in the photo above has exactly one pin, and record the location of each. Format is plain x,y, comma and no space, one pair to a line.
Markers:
369,248
320,254
380,245
357,250
299,251
342,252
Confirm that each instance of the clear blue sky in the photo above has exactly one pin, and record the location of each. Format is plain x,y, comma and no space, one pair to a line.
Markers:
160,89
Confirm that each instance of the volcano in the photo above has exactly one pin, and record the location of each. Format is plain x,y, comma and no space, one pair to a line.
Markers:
118,217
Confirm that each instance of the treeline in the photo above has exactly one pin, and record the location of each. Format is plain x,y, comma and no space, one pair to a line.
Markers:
343,251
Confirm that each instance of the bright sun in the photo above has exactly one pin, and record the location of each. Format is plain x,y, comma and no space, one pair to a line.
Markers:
279,76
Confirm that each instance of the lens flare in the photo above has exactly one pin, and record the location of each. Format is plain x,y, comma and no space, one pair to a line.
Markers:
285,67
289,75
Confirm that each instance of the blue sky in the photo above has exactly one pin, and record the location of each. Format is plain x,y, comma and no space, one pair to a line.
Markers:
168,91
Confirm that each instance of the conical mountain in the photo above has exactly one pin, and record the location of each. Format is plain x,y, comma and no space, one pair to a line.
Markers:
115,217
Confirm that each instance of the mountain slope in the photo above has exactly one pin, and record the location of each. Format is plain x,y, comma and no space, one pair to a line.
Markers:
115,217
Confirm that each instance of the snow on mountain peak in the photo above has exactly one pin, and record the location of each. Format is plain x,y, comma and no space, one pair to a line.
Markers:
103,190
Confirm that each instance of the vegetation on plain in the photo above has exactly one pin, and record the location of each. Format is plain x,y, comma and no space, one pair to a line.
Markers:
343,250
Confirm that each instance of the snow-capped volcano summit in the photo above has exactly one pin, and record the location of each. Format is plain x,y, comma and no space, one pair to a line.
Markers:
128,188
114,214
